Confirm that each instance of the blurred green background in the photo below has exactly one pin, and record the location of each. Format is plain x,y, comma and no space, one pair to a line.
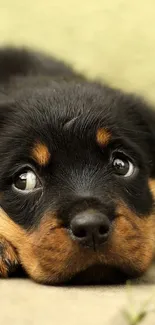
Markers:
110,39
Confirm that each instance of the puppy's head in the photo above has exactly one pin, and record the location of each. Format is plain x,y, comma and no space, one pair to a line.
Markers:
76,171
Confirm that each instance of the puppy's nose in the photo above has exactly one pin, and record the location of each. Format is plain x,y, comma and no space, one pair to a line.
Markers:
90,229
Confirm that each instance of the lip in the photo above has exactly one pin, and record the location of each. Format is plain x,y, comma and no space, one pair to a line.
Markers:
99,275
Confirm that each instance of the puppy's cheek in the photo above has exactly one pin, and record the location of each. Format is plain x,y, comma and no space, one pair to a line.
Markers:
46,257
48,253
132,242
50,256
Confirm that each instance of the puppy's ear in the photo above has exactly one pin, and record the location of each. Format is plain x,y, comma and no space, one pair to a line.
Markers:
22,62
14,62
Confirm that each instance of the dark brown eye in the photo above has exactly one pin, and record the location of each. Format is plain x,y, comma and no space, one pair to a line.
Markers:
123,167
26,182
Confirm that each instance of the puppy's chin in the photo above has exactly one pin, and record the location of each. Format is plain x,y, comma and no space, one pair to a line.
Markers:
93,275
97,275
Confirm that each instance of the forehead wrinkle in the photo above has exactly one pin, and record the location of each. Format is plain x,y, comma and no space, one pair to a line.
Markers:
70,123
41,154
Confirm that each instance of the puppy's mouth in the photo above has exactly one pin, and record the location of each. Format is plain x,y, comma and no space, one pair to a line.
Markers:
99,274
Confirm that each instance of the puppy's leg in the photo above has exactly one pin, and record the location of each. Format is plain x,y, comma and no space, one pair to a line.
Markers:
8,258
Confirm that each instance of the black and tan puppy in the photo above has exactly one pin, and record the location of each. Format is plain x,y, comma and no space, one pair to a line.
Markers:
77,175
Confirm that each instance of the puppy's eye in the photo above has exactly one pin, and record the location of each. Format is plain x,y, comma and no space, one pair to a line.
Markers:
123,166
26,182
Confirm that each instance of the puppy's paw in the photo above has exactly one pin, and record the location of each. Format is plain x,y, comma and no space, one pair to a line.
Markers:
8,258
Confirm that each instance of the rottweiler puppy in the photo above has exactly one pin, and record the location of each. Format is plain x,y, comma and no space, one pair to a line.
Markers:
77,174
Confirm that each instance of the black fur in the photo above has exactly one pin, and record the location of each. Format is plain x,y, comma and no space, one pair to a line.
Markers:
42,99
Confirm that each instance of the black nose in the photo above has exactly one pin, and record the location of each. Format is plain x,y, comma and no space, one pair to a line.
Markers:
90,228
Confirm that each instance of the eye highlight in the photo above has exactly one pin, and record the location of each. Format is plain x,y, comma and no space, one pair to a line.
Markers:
26,182
122,166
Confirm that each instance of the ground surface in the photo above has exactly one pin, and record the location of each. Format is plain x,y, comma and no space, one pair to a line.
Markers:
26,303
114,40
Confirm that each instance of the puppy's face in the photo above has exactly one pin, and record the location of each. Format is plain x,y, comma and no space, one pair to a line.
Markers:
76,177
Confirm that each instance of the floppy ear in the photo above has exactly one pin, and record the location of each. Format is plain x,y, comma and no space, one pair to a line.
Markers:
14,61
21,62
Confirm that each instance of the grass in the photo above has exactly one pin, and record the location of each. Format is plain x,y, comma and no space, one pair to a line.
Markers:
134,315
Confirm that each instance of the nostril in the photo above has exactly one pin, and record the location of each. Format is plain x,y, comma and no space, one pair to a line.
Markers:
103,230
90,228
79,232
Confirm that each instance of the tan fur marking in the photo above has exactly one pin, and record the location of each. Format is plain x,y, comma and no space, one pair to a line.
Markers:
48,253
7,253
132,242
54,255
41,154
151,184
103,137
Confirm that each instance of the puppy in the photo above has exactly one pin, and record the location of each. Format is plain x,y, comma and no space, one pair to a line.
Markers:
77,175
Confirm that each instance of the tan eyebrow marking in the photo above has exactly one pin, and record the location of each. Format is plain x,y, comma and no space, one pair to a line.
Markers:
41,154
103,137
